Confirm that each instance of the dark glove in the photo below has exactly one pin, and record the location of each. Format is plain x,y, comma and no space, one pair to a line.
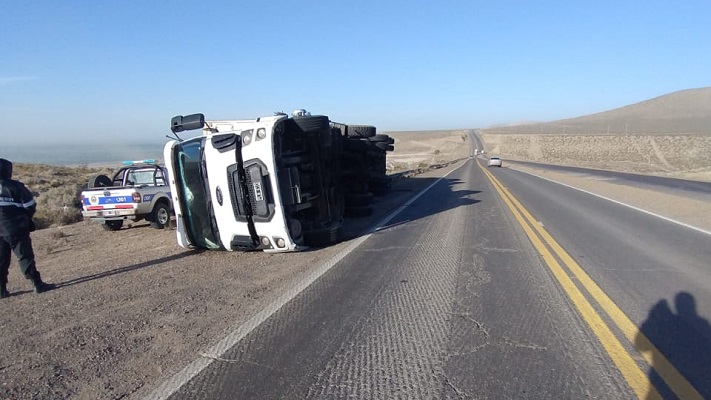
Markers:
33,227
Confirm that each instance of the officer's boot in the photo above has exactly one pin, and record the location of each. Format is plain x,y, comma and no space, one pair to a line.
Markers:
41,287
3,290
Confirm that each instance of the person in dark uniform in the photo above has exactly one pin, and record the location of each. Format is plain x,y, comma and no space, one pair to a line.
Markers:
17,206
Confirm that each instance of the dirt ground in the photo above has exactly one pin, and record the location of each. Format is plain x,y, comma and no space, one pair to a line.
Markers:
132,307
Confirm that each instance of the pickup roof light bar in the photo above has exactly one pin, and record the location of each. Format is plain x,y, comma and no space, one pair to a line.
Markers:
147,161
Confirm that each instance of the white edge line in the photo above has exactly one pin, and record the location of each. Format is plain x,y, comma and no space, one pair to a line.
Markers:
175,382
685,225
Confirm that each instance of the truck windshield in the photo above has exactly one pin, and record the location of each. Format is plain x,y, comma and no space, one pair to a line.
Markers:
196,208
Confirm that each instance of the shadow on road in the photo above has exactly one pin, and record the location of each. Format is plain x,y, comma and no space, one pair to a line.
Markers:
129,268
443,197
683,338
446,197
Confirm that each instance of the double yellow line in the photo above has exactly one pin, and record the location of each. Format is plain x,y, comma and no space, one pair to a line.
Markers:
630,369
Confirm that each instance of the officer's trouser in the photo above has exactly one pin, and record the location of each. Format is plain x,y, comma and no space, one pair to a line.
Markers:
22,247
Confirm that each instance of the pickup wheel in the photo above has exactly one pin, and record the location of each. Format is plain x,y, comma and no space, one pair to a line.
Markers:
112,225
160,217
100,181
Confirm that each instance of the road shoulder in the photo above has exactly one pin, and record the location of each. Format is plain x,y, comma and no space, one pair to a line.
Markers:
676,206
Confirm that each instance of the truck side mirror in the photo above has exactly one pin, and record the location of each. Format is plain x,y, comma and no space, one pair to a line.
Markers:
187,123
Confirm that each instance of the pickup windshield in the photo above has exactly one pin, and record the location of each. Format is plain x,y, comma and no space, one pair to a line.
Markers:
196,208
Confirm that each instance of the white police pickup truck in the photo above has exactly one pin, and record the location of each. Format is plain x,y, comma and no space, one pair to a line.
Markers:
137,191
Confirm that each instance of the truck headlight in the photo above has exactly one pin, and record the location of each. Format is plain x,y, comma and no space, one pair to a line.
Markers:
247,137
261,133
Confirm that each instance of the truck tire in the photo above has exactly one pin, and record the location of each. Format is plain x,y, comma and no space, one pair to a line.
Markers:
381,138
313,123
359,212
359,199
295,229
99,181
293,160
379,186
357,145
113,225
323,237
363,131
160,216
384,146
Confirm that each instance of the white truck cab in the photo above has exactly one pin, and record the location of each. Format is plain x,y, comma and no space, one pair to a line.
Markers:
259,184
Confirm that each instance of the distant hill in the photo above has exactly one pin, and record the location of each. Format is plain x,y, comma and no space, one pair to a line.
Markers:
682,112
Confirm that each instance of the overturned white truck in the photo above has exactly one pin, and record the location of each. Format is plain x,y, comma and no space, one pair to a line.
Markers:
275,183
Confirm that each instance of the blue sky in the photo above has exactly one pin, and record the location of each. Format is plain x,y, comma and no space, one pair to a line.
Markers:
119,70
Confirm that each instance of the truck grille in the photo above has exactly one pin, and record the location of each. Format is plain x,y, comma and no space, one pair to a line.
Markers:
255,192
251,191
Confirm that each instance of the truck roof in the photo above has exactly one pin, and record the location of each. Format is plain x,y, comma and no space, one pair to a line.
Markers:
240,124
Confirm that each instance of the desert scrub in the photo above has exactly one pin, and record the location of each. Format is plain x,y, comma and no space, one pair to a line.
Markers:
59,205
57,190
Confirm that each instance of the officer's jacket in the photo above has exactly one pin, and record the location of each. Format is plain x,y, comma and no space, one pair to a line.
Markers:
17,205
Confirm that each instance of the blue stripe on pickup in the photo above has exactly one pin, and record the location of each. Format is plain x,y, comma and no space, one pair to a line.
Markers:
110,200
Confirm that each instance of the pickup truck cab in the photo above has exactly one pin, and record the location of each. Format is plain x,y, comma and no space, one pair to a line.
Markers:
137,191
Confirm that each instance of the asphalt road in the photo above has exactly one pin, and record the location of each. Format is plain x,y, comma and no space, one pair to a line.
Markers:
656,272
463,295
678,186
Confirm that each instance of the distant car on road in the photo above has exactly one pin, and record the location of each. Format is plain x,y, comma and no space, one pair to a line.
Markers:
494,162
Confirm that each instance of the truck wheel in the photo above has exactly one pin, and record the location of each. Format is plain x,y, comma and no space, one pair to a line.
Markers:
359,199
379,186
112,225
314,123
99,181
384,146
380,138
293,160
323,237
359,212
160,217
295,229
357,145
363,131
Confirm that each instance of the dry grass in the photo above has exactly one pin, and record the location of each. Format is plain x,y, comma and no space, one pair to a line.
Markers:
684,112
677,156
57,190
669,136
